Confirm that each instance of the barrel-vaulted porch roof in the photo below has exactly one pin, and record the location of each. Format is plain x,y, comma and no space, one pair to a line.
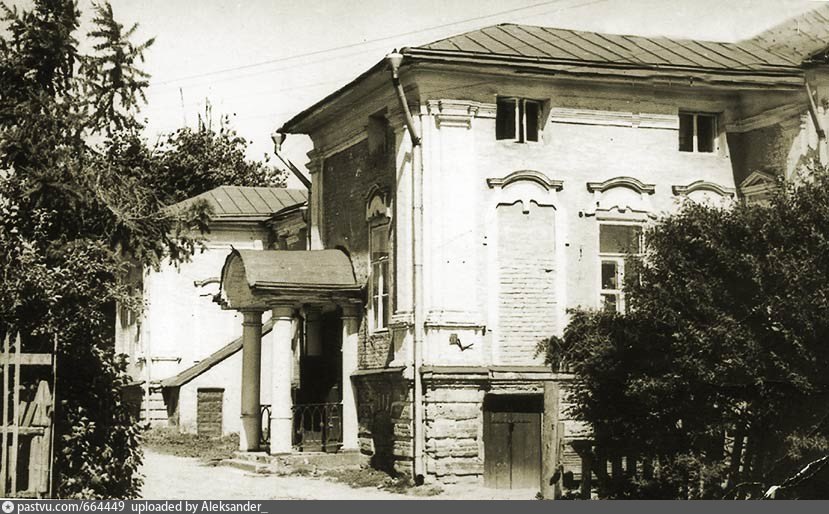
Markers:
259,279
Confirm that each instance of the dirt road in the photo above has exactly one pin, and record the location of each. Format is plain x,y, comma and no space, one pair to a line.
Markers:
179,478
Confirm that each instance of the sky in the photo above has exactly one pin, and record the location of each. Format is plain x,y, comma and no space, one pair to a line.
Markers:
262,61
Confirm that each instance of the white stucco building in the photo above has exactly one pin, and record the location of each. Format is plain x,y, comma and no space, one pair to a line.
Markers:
465,194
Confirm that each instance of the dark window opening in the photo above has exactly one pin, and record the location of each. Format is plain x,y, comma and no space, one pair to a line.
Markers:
517,119
697,132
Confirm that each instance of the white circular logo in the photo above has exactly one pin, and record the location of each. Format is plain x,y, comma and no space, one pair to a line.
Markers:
8,506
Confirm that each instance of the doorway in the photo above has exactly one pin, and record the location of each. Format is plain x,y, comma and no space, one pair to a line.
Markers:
512,441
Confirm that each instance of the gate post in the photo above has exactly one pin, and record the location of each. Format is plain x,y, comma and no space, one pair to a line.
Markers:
550,441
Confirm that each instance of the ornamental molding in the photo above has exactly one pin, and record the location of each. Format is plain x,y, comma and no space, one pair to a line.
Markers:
528,175
378,204
628,182
527,187
621,194
458,113
702,185
581,116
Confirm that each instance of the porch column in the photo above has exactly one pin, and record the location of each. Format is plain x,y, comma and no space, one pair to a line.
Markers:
351,327
281,364
251,369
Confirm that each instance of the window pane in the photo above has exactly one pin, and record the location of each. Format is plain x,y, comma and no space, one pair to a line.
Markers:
610,302
385,319
619,238
610,275
375,280
379,242
384,269
705,133
505,119
375,312
686,132
533,112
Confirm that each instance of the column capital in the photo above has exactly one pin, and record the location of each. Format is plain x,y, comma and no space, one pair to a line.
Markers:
350,310
282,311
251,317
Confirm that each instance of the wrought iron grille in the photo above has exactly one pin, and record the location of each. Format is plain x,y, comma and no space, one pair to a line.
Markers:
318,427
265,432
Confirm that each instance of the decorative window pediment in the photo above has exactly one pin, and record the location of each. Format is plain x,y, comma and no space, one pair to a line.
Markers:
377,204
526,186
758,185
622,194
702,191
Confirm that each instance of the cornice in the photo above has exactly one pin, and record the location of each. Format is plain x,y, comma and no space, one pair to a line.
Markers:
702,185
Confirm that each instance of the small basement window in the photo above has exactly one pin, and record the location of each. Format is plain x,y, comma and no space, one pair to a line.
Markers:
517,119
697,132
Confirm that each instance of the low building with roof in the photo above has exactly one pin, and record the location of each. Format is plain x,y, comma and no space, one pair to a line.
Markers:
182,349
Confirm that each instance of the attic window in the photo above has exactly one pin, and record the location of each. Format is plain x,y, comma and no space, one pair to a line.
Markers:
517,119
697,132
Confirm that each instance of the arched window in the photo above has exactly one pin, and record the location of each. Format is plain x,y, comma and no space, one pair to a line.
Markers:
377,216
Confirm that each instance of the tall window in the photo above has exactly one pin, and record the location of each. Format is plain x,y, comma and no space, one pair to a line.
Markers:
517,119
616,244
379,249
697,132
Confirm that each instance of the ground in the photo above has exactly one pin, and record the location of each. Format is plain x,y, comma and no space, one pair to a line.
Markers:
173,477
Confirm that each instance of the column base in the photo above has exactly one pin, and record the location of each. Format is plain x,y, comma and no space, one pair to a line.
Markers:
281,432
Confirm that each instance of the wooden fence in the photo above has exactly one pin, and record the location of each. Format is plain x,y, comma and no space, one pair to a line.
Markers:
28,422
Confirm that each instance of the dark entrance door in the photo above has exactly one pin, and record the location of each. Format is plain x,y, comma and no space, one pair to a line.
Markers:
512,441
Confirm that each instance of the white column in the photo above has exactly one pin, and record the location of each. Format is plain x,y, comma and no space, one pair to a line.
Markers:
315,167
351,327
281,363
251,368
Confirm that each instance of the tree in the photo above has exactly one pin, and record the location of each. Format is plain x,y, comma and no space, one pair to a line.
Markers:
717,374
71,208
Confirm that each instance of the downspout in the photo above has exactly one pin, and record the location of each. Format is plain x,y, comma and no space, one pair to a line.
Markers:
821,134
395,59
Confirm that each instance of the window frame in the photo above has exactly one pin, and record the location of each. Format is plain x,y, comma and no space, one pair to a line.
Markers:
715,132
375,316
519,122
619,259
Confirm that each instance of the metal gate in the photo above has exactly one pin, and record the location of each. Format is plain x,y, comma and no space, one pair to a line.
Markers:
28,422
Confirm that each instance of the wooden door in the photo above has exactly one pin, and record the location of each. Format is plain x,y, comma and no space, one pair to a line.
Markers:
209,403
512,446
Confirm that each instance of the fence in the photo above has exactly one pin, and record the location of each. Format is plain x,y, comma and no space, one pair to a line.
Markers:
27,423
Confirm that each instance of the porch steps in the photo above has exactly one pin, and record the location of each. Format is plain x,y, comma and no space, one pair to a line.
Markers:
294,463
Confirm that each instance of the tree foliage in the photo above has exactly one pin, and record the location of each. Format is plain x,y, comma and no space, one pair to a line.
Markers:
81,196
717,374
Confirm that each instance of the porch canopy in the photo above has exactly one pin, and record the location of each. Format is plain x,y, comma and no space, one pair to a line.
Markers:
257,279
284,281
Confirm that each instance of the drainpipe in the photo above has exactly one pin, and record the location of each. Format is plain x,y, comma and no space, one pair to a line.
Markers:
395,59
821,133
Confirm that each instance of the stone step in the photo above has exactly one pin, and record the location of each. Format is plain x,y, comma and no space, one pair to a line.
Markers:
286,464
247,465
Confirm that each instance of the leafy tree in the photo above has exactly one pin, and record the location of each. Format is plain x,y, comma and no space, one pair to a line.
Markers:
716,376
71,208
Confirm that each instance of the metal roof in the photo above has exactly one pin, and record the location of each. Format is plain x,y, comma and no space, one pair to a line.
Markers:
268,269
774,57
240,203
784,48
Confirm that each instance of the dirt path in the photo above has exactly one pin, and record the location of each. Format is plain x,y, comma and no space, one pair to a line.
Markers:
179,478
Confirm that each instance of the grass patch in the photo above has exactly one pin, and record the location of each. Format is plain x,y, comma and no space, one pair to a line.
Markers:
370,477
172,442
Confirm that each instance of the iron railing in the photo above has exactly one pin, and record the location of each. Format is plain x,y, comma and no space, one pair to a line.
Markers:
265,431
318,427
